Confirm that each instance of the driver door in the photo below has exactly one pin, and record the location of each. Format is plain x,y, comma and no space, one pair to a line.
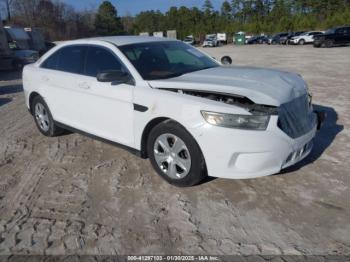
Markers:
106,108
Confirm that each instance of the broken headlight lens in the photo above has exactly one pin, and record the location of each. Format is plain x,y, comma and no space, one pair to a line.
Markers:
251,122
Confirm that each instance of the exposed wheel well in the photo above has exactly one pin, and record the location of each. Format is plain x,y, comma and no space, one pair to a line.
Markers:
146,133
31,98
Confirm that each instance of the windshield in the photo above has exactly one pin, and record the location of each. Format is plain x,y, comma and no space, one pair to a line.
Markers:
161,60
330,31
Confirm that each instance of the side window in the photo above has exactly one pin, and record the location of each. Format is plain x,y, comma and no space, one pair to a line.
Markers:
340,31
52,61
99,59
71,59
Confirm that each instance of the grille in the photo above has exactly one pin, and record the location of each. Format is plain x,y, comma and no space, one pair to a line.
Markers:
296,117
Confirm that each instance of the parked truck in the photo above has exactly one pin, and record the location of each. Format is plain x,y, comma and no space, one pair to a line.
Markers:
144,34
221,38
19,43
7,58
36,39
171,34
4,46
158,34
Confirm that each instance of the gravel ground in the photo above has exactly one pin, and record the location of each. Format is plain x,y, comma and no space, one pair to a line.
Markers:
74,195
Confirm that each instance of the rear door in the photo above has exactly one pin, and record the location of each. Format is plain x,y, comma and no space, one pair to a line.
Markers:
59,80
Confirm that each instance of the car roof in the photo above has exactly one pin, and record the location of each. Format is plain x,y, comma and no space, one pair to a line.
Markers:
124,40
343,26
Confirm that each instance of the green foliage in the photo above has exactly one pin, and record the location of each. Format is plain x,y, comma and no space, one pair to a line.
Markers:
253,16
107,21
60,21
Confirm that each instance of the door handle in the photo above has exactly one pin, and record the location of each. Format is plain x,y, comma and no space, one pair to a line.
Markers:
84,85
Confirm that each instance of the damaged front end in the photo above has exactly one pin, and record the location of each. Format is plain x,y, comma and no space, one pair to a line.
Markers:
240,101
295,118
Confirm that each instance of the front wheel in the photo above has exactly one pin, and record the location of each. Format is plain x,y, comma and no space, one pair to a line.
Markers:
329,43
175,155
301,42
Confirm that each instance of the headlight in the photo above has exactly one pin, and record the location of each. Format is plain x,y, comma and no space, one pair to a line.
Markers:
252,122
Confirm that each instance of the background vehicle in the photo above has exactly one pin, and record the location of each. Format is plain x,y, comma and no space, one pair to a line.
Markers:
275,39
36,40
291,35
332,37
221,38
189,40
19,43
304,38
171,34
210,41
257,40
8,60
284,40
158,34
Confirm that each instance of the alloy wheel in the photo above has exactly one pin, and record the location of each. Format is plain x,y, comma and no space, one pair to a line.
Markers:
42,117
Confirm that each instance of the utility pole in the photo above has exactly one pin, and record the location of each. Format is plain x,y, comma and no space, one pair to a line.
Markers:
1,25
8,10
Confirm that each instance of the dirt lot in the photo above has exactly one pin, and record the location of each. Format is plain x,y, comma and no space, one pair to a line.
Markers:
72,194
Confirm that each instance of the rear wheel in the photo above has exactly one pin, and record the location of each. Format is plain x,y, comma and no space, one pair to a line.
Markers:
43,118
175,155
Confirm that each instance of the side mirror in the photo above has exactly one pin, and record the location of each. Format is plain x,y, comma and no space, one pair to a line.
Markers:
226,60
114,76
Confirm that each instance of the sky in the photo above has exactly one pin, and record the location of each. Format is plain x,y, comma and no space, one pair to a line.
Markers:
135,6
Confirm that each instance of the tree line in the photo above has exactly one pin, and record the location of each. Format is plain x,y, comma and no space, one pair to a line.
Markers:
61,21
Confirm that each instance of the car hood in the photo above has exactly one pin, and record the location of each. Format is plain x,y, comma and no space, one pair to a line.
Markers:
262,86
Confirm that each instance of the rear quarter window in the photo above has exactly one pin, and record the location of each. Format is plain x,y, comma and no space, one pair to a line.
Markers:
67,59
71,59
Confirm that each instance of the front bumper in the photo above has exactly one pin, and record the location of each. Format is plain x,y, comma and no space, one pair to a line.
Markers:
210,44
240,154
294,41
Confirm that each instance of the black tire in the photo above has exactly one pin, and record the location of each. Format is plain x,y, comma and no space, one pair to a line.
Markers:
53,130
301,42
329,43
197,171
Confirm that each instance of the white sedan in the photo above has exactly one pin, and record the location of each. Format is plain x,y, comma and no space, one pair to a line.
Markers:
167,101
